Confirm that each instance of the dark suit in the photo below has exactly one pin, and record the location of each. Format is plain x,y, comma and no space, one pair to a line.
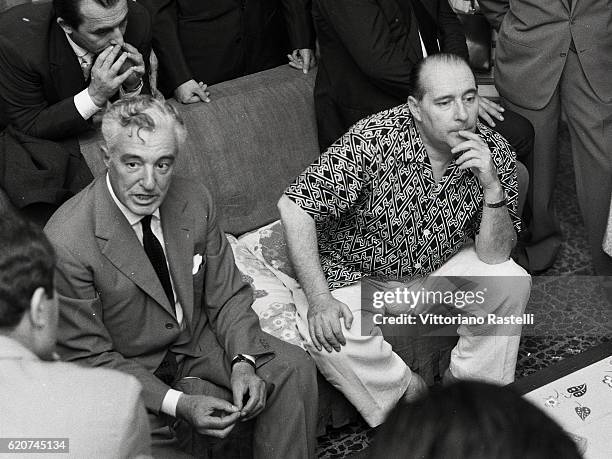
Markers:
553,57
218,40
39,77
114,312
368,49
40,73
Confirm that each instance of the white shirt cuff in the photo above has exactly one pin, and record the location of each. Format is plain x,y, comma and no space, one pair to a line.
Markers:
170,401
249,357
85,105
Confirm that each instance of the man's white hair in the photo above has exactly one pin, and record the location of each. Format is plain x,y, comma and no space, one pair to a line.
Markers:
141,113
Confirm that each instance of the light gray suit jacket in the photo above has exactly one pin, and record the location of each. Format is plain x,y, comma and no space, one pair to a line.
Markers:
100,411
113,309
534,41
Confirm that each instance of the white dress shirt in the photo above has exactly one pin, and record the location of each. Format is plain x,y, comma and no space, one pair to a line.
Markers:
172,396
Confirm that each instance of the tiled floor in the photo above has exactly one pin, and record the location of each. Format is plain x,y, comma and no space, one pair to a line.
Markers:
573,314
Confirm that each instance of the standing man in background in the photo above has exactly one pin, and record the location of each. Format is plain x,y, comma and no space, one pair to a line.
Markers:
201,43
368,49
555,57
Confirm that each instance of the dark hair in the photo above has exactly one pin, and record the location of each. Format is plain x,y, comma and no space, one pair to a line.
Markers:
27,261
416,85
472,420
70,12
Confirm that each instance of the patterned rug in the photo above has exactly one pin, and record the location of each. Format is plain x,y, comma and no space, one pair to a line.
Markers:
577,316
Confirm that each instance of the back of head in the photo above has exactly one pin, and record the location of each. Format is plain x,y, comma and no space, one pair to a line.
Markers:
472,420
27,261
69,10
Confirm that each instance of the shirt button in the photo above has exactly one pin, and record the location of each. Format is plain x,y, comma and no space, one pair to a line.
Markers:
426,233
563,54
417,266
169,325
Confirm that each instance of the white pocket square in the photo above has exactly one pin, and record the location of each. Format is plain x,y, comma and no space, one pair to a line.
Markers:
197,263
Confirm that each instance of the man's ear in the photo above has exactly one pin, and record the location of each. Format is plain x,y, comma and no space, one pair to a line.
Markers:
38,303
415,108
105,154
65,27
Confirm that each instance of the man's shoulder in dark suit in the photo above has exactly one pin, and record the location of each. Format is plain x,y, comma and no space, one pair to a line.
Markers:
25,29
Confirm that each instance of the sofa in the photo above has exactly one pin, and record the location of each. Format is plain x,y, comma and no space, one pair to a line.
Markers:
246,145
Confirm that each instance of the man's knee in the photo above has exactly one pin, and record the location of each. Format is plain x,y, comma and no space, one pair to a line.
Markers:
508,284
292,361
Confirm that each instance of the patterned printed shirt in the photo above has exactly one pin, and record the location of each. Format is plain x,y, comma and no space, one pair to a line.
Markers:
377,208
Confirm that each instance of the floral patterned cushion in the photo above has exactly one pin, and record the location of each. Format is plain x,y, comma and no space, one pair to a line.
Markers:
273,302
268,245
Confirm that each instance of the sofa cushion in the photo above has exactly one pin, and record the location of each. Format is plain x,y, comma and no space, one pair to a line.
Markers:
272,301
254,137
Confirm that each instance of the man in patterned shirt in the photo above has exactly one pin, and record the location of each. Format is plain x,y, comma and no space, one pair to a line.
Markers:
417,192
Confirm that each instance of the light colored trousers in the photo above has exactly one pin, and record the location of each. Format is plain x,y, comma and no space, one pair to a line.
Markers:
373,377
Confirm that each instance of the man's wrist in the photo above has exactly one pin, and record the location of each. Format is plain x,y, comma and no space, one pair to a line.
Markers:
318,296
494,194
97,100
245,359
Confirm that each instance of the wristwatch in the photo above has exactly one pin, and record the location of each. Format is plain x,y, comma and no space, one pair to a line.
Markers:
243,358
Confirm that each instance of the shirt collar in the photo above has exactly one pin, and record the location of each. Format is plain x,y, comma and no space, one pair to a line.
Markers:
131,217
414,151
81,53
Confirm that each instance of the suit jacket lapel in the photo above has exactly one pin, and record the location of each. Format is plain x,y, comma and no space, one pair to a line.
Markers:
120,245
568,4
64,66
177,227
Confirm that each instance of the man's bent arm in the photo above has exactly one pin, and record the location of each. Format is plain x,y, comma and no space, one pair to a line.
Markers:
301,237
227,298
82,336
21,93
497,236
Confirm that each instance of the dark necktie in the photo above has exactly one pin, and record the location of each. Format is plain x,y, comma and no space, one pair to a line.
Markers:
155,252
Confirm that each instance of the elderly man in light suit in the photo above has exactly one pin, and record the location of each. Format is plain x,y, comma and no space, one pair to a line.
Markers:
554,56
148,285
98,412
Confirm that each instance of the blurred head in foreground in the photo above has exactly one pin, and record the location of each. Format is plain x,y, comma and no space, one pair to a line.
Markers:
472,420
28,303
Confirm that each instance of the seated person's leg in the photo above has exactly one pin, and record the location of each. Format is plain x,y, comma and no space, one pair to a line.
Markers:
291,407
366,370
488,352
